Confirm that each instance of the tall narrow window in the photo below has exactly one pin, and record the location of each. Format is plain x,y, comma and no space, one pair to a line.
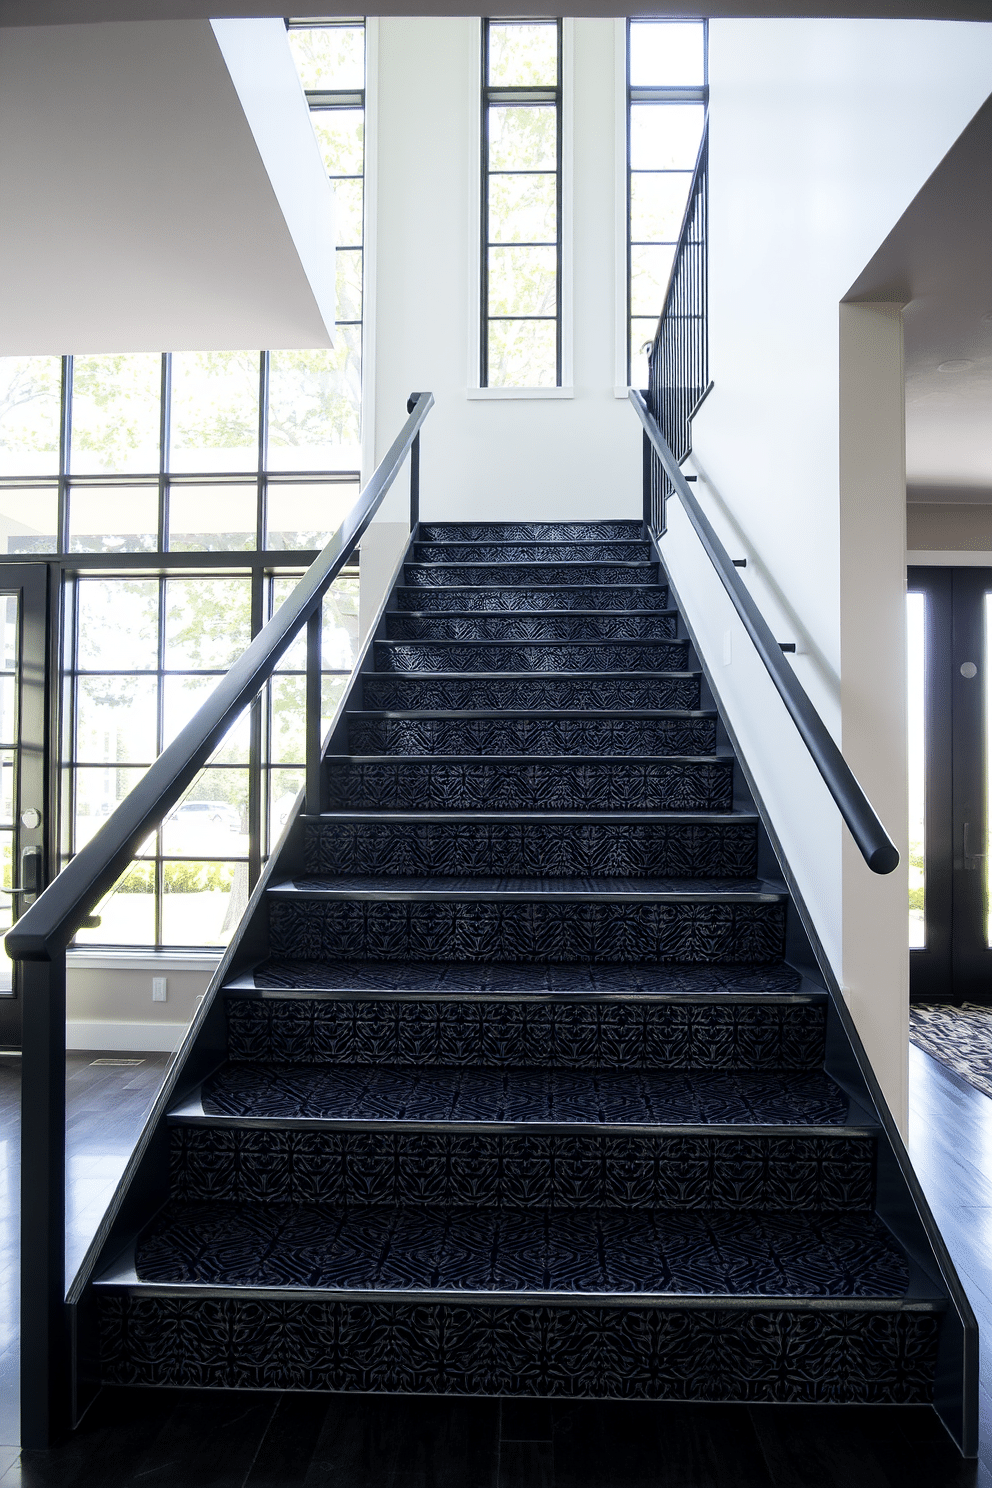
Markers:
315,397
521,204
666,99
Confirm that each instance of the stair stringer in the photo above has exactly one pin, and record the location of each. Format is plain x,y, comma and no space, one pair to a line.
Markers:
900,1200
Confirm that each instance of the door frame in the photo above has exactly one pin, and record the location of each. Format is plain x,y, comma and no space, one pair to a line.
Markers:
956,965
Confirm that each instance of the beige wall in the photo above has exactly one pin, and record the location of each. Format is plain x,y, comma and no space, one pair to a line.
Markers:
875,950
948,525
109,1000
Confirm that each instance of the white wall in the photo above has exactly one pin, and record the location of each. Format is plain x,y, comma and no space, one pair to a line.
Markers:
109,998
157,195
535,459
821,132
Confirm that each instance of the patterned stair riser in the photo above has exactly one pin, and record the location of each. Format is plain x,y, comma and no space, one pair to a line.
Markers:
515,785
627,1352
567,627
413,1169
509,601
521,849
532,552
556,532
514,575
406,693
499,1033
493,930
622,531
543,736
482,656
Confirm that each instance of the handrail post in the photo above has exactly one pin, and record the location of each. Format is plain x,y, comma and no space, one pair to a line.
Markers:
411,404
44,1338
313,791
646,456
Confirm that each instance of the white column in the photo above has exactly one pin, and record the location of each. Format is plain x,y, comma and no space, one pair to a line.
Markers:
873,679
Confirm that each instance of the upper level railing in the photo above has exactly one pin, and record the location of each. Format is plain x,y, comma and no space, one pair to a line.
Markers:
679,356
679,373
877,848
39,939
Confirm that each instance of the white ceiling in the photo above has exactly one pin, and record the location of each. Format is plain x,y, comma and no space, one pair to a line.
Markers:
47,12
162,188
938,261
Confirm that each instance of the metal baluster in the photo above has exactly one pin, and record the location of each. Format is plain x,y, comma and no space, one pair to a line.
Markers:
314,740
44,1342
414,470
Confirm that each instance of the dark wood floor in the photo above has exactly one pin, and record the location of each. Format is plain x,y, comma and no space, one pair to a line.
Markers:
180,1439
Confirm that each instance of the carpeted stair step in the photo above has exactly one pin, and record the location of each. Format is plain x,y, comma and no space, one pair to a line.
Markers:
599,692
491,732
489,1254
616,599
525,1100
552,843
516,575
414,1164
530,656
609,531
630,986
298,1012
405,783
563,625
533,552
475,919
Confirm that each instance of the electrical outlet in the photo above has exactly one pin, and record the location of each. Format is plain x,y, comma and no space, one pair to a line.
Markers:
160,989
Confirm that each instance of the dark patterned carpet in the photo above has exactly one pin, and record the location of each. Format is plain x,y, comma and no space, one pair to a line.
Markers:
959,1036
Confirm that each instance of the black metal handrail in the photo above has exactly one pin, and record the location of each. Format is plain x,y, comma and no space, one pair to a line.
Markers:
875,844
679,357
42,934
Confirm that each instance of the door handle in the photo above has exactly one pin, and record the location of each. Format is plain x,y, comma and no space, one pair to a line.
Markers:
30,885
971,859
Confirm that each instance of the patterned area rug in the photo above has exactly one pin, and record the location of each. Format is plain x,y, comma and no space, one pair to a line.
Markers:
960,1037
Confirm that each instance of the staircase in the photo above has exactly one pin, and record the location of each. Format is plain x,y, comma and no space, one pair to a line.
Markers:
520,1080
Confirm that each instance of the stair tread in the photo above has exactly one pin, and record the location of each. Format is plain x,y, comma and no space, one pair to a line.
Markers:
520,1251
595,715
590,1098
532,676
632,613
496,762
538,818
526,641
505,979
691,890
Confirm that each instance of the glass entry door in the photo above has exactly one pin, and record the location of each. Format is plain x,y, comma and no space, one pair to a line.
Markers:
24,803
950,753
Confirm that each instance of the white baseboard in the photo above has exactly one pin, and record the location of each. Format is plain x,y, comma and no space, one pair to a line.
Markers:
149,1038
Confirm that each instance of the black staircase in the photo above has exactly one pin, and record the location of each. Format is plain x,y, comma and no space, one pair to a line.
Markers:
515,1091
521,1076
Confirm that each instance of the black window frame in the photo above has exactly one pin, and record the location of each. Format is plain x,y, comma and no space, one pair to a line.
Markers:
328,100
661,96
546,96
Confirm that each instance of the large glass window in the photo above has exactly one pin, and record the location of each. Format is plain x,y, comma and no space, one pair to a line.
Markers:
142,654
666,98
185,452
110,460
521,204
